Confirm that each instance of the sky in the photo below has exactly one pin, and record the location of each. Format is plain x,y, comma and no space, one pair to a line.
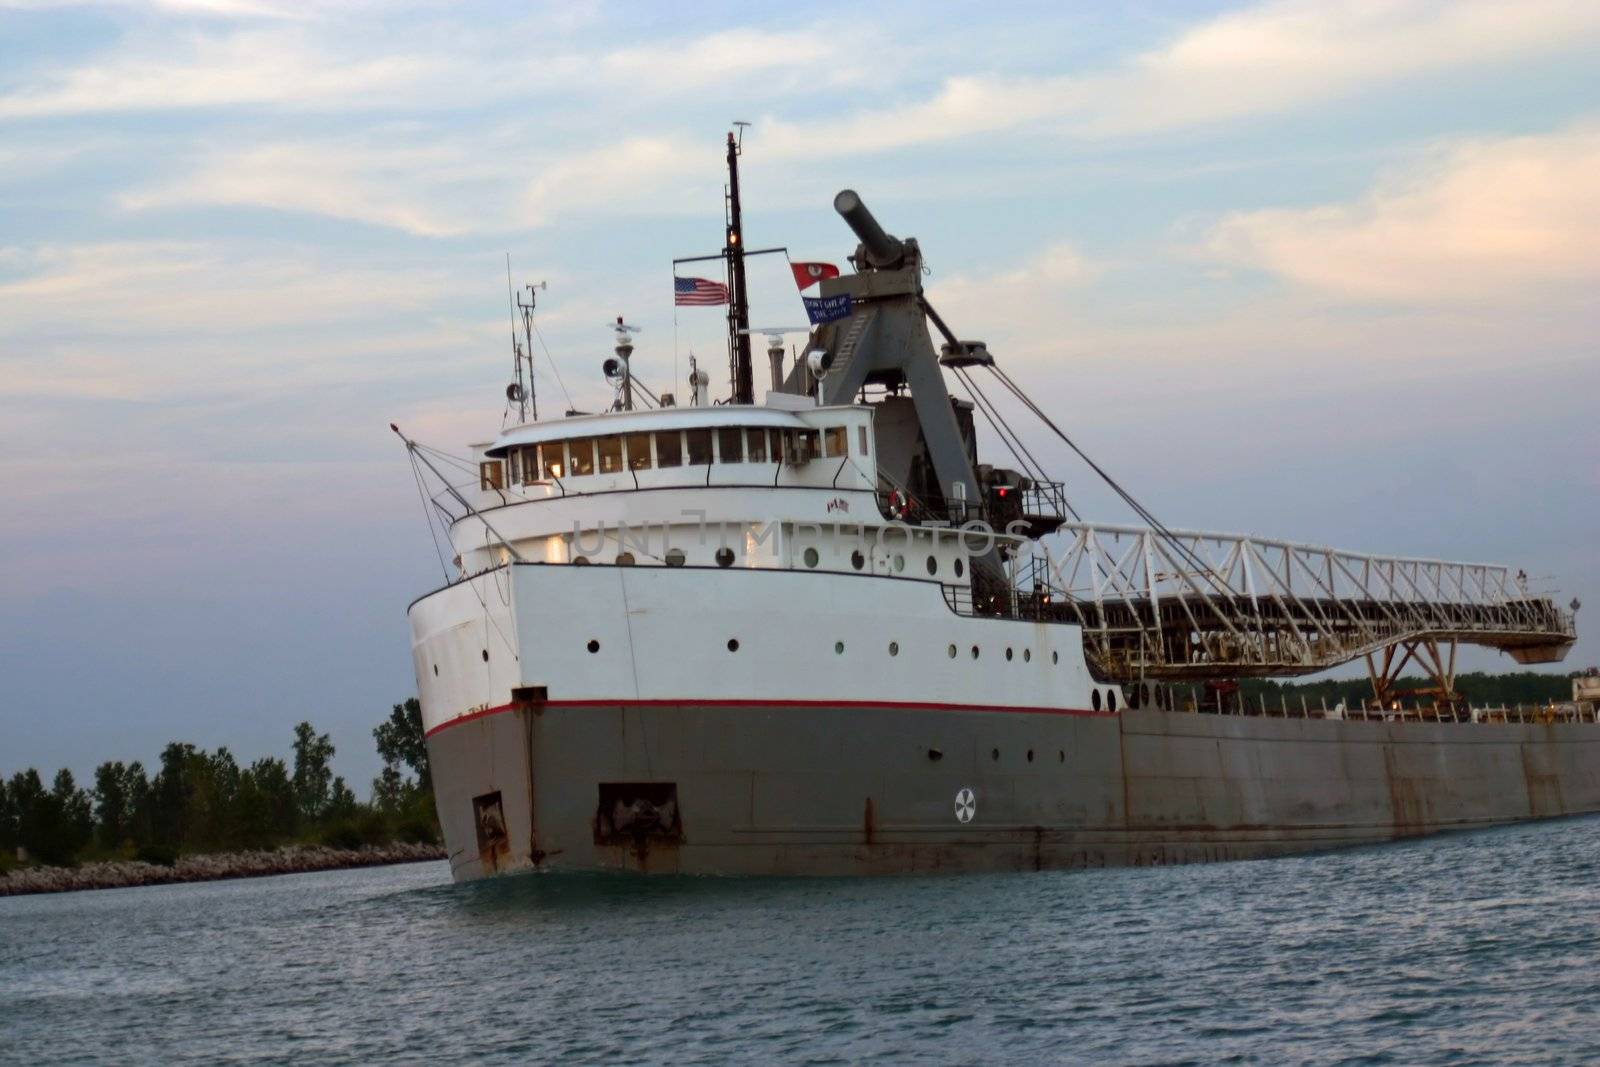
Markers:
1318,271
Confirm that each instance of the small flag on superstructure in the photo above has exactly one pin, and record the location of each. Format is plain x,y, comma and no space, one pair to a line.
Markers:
698,292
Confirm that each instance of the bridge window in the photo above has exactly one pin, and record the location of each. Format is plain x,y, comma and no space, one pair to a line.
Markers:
638,451
491,475
835,442
669,449
580,454
610,450
730,444
861,438
699,447
553,459
756,446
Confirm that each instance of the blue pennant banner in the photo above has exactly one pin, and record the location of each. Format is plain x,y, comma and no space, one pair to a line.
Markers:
820,309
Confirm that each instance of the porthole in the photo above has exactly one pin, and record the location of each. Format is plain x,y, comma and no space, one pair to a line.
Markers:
1144,693
733,644
675,557
724,556
1061,757
899,563
581,561
594,646
951,651
486,655
1008,654
935,755
1094,701
994,754
1027,655
1030,755
1055,657
1133,698
436,670
838,648
974,651
933,565
959,568
857,560
894,648
624,559
1111,700
811,557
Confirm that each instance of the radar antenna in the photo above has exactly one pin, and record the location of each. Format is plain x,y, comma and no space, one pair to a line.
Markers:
527,400
617,370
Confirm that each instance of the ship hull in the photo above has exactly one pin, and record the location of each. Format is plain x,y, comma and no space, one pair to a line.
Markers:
759,789
891,736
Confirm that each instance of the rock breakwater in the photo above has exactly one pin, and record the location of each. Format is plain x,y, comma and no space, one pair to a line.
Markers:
292,859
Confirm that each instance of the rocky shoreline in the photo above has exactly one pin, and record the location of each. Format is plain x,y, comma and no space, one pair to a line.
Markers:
293,859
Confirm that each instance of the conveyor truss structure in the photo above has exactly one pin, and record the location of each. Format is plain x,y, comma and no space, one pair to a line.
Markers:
1182,605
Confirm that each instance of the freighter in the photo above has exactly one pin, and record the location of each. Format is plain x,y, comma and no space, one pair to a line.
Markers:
818,634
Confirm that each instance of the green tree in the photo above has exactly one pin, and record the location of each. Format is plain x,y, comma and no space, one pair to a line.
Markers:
267,813
8,819
169,796
401,740
137,785
389,789
76,810
115,801
341,801
313,774
52,825
213,800
28,802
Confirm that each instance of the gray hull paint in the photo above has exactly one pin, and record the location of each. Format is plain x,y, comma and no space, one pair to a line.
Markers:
830,791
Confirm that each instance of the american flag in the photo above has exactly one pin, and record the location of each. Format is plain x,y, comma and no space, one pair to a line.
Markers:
698,292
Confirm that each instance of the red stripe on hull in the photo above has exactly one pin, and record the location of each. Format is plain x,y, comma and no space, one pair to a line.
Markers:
1011,709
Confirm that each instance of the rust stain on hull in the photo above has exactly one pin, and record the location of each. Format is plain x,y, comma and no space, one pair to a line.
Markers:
1545,798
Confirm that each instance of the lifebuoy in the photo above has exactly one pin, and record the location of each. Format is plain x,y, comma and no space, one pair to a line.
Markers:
899,506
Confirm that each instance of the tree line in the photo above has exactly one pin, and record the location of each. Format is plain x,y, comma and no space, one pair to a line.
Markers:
1510,689
199,801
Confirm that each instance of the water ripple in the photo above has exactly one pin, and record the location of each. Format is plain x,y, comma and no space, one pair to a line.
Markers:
1477,948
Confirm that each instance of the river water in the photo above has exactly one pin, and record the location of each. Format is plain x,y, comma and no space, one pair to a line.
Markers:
1471,948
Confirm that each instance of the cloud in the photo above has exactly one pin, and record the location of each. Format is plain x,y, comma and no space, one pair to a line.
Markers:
1010,305
208,70
805,58
163,287
1475,220
220,8
395,186
672,170
1269,59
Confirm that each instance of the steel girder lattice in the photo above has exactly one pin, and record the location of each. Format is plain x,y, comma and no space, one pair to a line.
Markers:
1193,605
